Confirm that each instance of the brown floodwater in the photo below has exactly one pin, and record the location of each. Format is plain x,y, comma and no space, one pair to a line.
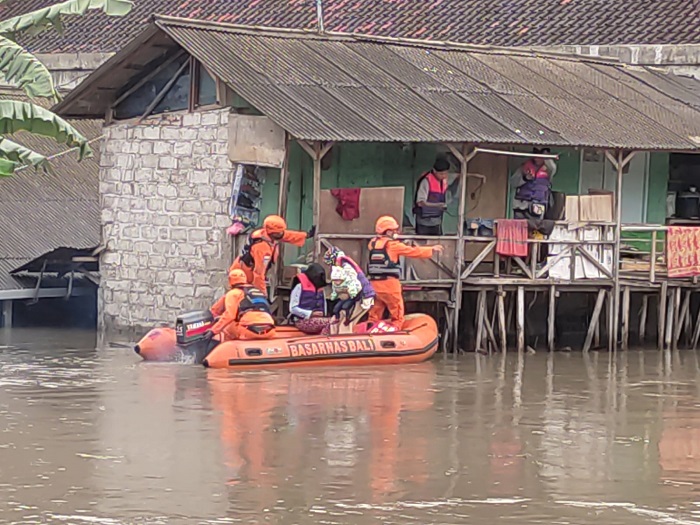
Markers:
97,437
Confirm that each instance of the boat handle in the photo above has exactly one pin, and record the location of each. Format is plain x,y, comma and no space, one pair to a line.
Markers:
253,352
388,344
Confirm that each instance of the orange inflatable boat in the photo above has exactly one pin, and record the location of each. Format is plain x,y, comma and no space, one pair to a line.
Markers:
416,342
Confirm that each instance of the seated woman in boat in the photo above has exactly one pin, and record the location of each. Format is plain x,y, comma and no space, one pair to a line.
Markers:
307,302
246,314
346,290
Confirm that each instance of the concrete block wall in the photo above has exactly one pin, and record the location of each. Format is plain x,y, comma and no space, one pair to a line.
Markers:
164,191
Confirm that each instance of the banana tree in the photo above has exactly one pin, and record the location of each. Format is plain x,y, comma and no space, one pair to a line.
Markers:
22,68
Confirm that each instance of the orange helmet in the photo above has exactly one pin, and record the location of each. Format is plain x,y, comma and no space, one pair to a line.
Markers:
274,224
237,277
384,224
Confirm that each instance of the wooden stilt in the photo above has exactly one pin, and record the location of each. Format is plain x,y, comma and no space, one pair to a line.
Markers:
489,332
643,314
696,333
680,323
663,299
480,316
611,325
520,320
625,318
551,317
676,318
668,336
688,324
503,332
595,320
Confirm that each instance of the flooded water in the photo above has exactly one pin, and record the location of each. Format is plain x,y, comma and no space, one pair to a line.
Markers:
97,437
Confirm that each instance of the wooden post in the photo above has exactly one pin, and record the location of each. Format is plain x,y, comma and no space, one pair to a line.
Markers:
680,323
675,319
282,203
670,307
464,157
480,315
595,320
503,332
317,191
643,319
6,314
551,317
619,162
625,318
652,266
696,333
520,319
663,297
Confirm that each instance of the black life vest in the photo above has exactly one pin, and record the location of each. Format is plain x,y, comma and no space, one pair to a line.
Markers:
380,264
257,236
254,300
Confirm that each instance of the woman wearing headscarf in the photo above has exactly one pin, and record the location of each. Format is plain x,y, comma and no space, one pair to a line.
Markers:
307,302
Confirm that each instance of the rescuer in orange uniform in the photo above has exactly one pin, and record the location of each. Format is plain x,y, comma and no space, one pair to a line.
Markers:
384,269
246,313
262,249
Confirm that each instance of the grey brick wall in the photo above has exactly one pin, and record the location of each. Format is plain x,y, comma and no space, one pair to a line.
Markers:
164,190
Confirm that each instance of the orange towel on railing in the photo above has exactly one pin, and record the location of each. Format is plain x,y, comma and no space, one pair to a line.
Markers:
683,251
511,236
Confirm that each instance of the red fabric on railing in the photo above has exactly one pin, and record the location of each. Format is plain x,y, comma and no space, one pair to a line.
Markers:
683,251
511,236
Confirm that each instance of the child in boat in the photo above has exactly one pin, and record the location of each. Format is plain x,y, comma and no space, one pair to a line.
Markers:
336,257
346,288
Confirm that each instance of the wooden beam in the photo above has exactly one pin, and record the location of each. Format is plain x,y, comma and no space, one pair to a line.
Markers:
317,147
643,316
520,319
619,162
480,316
625,317
282,199
161,94
595,320
148,77
503,332
478,259
663,297
551,317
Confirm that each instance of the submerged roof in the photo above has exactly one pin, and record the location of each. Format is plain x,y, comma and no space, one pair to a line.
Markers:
494,22
347,88
40,212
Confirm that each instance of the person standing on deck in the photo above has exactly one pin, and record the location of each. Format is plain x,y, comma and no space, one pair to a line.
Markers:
262,249
384,269
430,201
533,186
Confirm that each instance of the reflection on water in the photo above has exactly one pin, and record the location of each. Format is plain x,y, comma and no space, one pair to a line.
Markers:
96,436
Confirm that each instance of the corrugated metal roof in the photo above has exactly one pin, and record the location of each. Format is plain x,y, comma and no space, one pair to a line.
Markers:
350,88
40,212
346,88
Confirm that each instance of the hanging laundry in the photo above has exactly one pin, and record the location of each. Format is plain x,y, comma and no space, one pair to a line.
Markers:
683,244
511,237
348,202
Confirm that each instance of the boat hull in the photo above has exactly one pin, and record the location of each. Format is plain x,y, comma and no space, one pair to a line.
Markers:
417,342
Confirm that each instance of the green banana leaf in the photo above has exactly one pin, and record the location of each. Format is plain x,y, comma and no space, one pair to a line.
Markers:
36,21
22,68
25,116
17,153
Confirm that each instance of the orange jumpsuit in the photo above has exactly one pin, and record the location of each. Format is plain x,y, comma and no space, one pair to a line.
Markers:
219,307
264,255
389,291
233,328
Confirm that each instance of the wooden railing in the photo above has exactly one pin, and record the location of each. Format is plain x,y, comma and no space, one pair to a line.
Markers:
652,246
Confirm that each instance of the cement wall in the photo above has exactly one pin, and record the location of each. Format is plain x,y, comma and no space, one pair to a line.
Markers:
680,59
164,190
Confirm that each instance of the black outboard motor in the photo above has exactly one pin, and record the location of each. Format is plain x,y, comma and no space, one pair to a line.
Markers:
190,328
